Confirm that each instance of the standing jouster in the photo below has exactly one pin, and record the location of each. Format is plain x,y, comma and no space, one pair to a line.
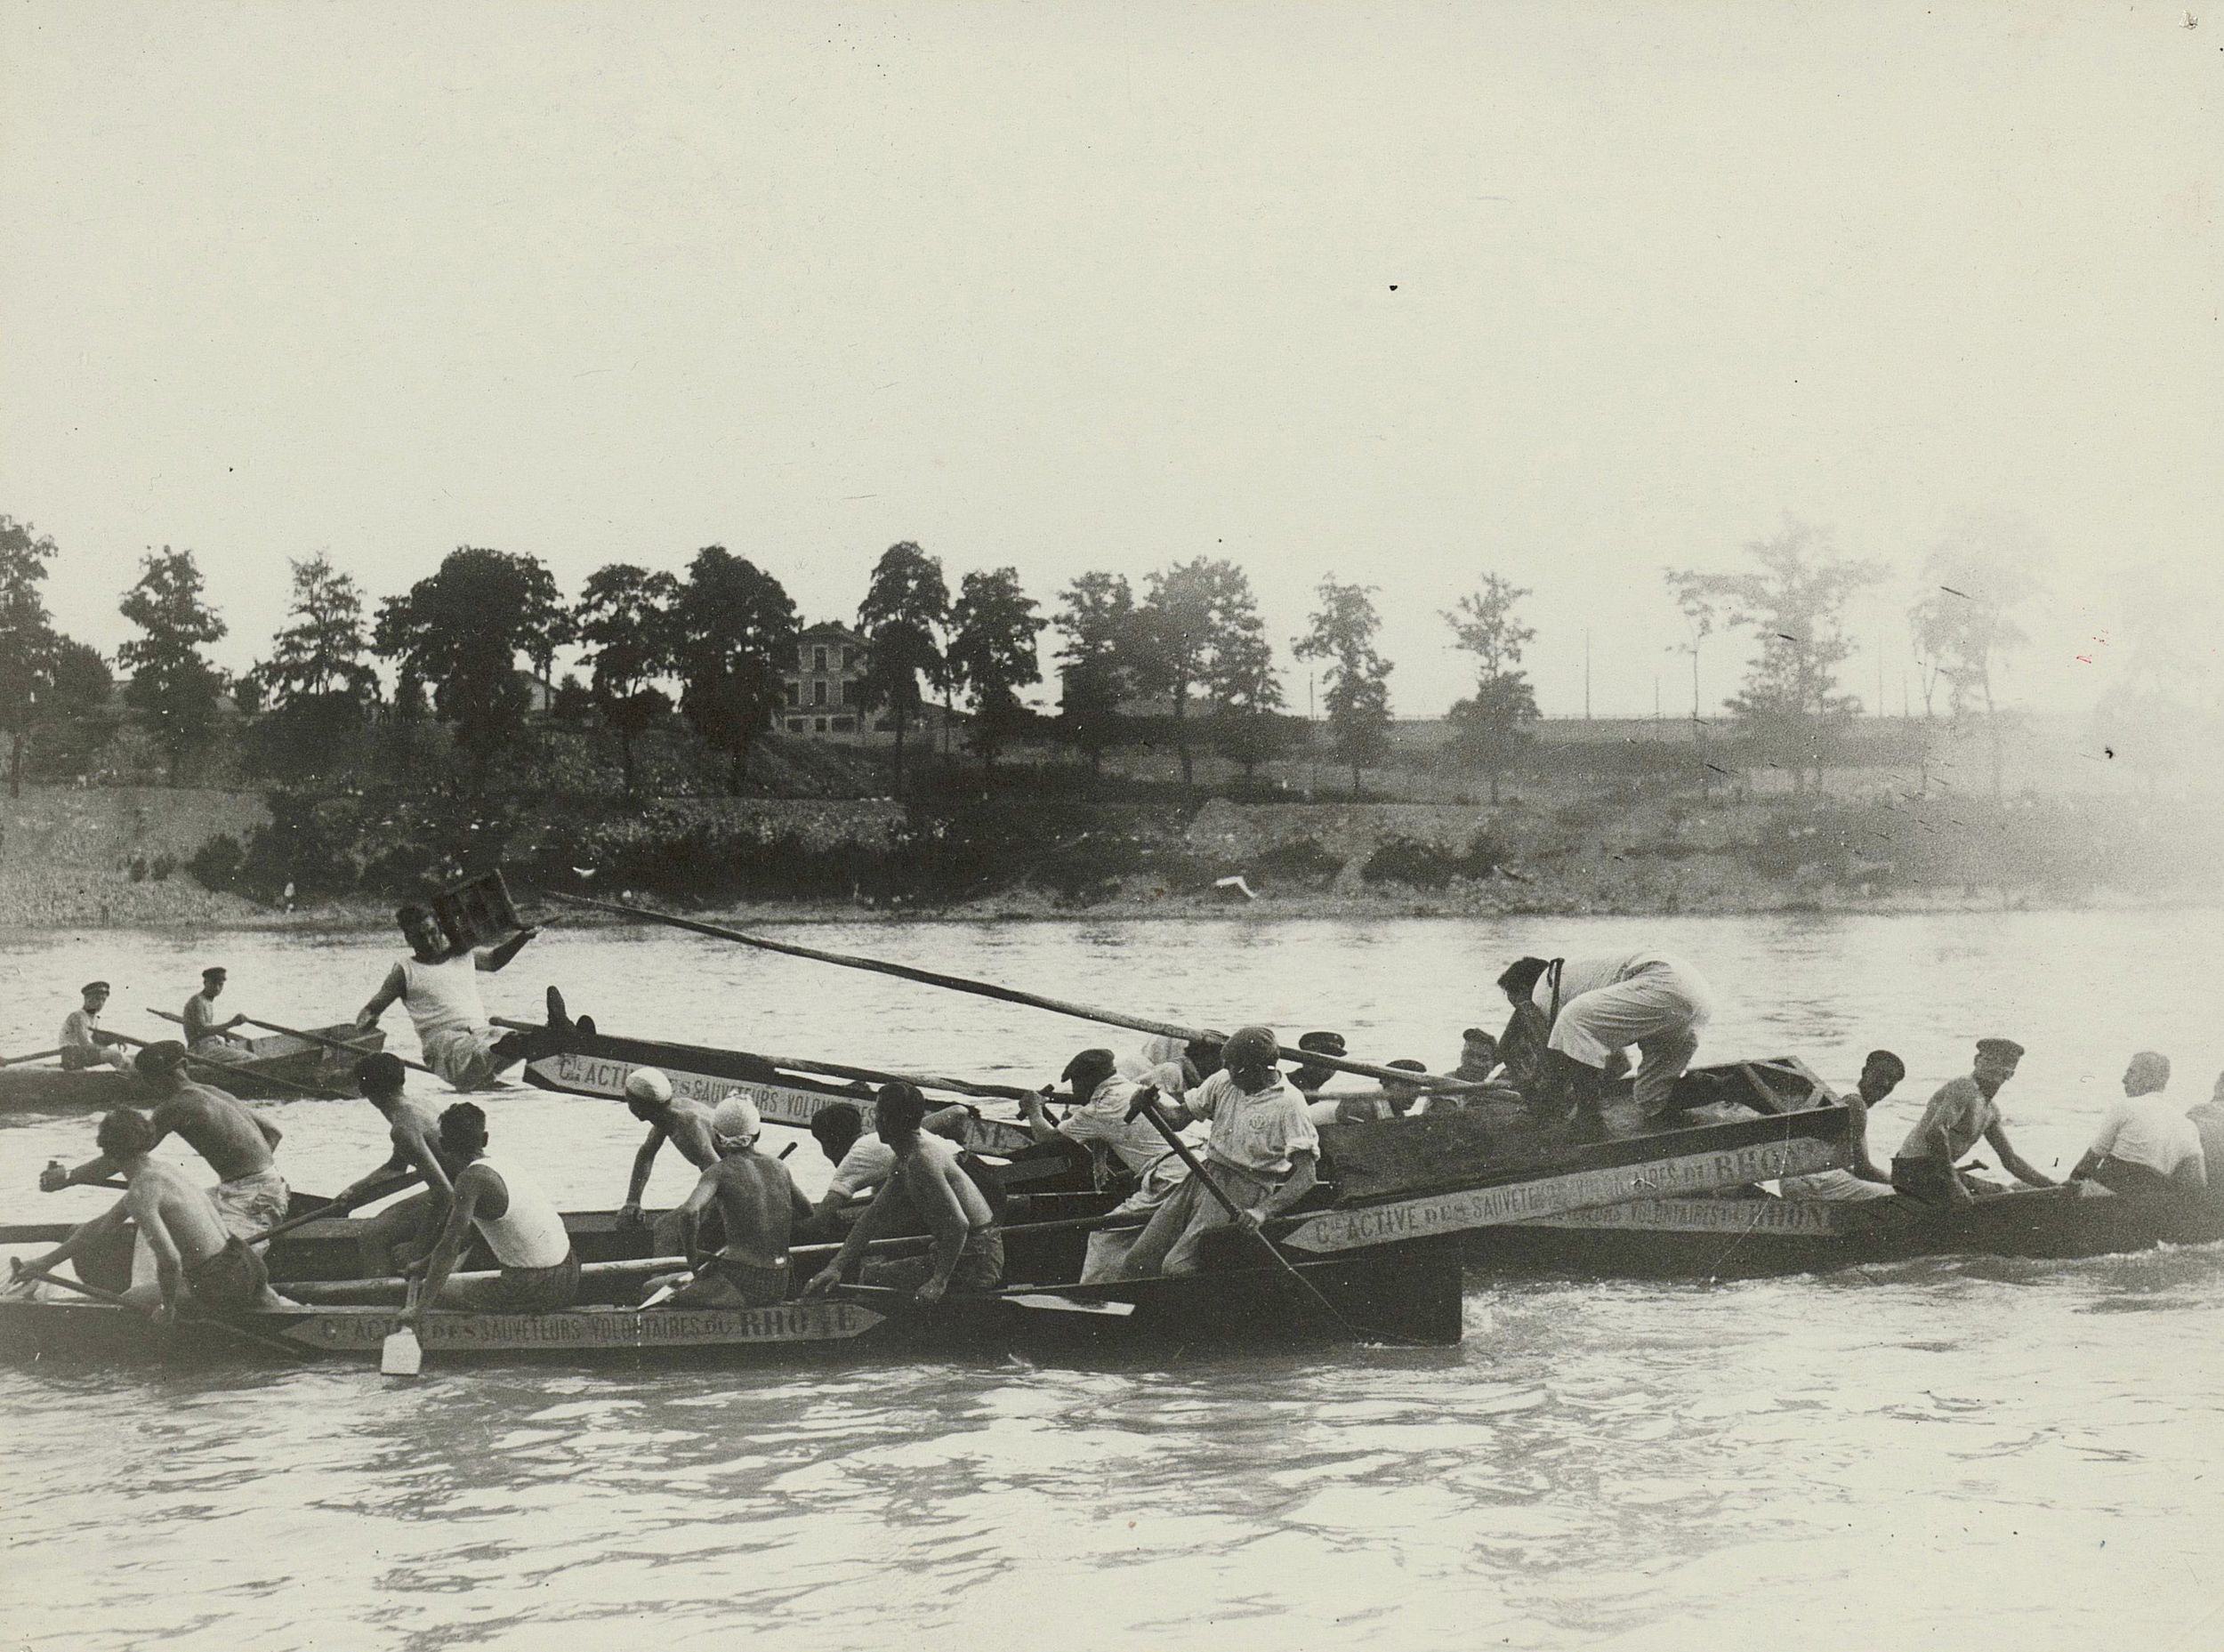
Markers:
439,987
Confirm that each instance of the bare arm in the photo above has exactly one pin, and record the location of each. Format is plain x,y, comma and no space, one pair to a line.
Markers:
877,1216
494,957
2013,1162
169,1266
1305,1172
455,1234
944,1217
950,1121
644,1160
271,1133
1038,1122
97,1169
108,1221
1863,1167
691,1209
388,994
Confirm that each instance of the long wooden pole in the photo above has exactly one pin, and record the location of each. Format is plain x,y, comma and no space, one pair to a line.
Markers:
332,1043
214,1069
1204,1180
36,1055
333,1209
1011,995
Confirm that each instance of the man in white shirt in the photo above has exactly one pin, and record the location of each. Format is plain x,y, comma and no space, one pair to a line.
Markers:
439,986
1100,1117
1598,1007
2146,1145
862,1161
83,1043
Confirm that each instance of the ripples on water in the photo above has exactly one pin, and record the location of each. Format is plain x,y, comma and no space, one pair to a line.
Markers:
1949,1452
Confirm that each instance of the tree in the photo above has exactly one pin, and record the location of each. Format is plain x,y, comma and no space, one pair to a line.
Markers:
1964,625
1358,678
317,686
28,641
1248,729
905,607
461,631
734,625
1199,627
171,682
992,653
1794,605
1094,668
1491,729
626,621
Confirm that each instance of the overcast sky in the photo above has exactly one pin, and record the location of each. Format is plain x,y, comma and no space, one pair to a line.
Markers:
1396,292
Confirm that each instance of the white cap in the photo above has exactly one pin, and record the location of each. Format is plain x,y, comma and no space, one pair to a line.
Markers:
646,1084
737,1119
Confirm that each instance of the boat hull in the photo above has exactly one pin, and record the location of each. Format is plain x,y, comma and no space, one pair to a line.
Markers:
280,1067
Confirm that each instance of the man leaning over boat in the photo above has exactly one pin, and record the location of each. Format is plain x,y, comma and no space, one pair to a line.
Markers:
1962,1112
1100,1119
965,1246
439,986
538,1271
197,1257
757,1204
1596,1008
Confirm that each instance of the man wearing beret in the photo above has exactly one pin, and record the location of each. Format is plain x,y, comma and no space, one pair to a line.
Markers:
1264,1155
1959,1114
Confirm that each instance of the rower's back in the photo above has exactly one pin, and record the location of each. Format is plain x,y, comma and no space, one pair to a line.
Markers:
218,1127
757,1200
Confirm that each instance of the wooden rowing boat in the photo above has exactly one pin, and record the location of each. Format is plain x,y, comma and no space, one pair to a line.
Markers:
267,1070
1406,1294
1758,1235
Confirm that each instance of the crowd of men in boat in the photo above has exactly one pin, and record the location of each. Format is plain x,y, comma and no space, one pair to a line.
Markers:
1198,1138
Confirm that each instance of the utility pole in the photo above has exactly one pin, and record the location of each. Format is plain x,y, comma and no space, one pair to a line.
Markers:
1312,740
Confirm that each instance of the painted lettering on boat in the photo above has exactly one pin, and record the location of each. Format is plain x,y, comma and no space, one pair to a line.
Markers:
1550,1195
601,1075
792,1322
1790,1216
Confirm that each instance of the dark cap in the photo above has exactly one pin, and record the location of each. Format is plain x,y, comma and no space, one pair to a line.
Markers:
94,987
214,972
158,1058
1091,1066
1322,1043
2007,1047
1249,1046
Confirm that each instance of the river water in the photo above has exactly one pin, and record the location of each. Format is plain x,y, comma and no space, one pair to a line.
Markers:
1953,1452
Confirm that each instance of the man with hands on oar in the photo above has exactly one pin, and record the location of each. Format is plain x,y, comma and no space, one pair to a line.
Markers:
1102,1117
966,1248
401,1234
758,1205
1264,1155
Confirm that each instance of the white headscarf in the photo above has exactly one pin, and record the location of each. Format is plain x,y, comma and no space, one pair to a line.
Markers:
1141,1068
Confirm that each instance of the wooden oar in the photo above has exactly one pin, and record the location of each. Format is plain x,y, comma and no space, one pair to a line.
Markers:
215,1069
333,1209
1011,995
402,1353
36,1055
835,1069
1158,1121
114,1300
333,1044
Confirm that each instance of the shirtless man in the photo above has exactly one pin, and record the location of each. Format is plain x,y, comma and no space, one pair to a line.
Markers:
966,1250
441,994
1881,1074
204,1034
862,1161
539,1271
250,1194
83,1043
758,1205
403,1232
680,1120
197,1257
1961,1113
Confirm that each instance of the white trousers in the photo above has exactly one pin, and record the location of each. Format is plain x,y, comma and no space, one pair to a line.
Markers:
1660,1010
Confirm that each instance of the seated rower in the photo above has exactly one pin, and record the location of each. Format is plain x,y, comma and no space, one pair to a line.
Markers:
862,1161
1358,1107
2208,1119
965,1251
680,1120
1263,1154
238,1144
758,1205
1309,1076
197,1259
204,1034
403,1233
83,1043
1479,1055
439,988
1961,1113
521,1224
1881,1074
1100,1117
2146,1145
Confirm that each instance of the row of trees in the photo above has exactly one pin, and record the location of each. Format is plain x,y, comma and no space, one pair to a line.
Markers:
712,643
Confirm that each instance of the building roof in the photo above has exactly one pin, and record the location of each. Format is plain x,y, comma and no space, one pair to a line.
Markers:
831,628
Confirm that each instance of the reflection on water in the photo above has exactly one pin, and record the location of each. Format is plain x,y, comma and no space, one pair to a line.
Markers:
1949,1451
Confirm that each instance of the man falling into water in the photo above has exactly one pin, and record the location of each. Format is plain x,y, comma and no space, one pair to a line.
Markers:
439,986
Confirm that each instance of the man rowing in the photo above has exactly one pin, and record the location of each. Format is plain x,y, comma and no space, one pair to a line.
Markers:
404,1231
1100,1119
757,1204
1595,1008
198,1257
1960,1114
204,1034
2146,1145
538,1271
439,986
1311,1076
862,1161
1264,1156
84,1044
1881,1074
250,1194
680,1120
965,1247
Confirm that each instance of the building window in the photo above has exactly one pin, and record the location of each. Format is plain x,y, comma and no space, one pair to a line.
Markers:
819,659
794,692
845,698
818,691
845,725
822,725
844,653
796,725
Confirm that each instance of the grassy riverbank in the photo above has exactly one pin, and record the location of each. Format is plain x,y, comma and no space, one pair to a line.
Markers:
154,858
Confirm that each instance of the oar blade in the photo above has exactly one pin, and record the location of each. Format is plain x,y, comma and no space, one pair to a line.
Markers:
400,1355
